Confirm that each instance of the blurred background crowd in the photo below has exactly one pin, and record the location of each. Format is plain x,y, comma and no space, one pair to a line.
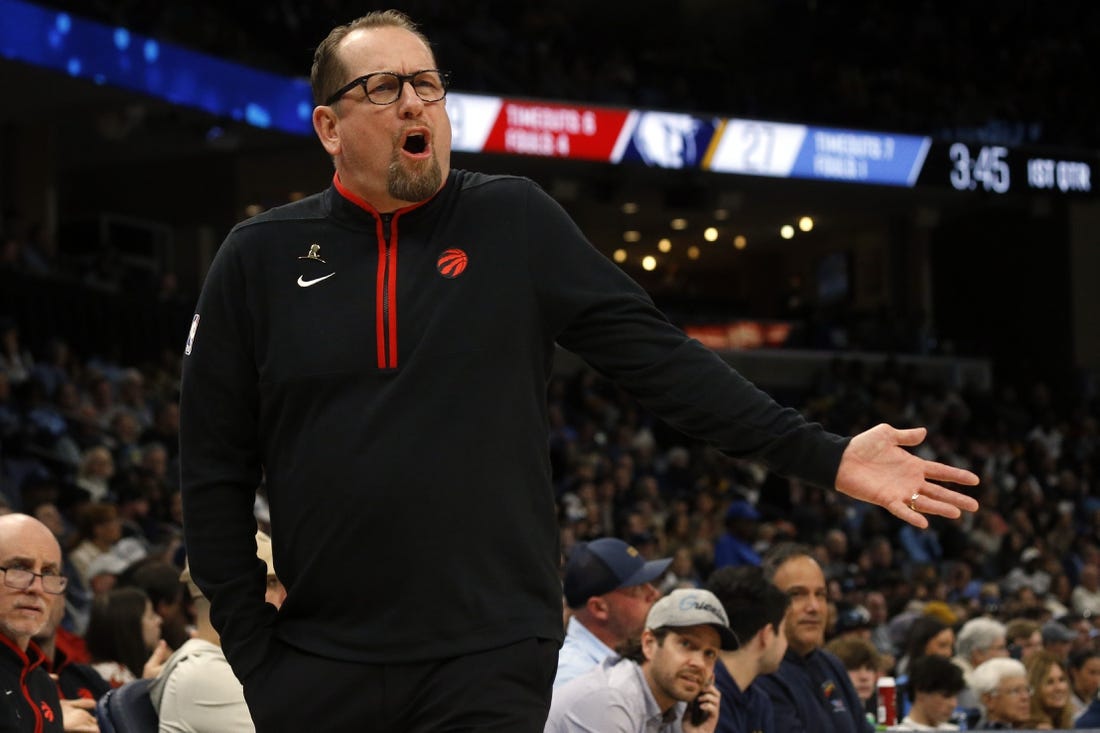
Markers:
89,428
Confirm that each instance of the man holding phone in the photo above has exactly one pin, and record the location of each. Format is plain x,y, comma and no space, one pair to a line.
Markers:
650,687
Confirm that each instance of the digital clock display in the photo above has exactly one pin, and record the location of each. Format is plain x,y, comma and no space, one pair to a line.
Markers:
989,169
998,169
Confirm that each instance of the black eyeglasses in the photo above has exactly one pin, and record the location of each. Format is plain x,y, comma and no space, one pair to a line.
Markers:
21,579
384,87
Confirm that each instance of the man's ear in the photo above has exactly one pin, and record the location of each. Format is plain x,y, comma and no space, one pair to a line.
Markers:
649,644
324,124
765,636
597,607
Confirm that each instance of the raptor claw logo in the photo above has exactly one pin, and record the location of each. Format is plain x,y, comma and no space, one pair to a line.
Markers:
451,263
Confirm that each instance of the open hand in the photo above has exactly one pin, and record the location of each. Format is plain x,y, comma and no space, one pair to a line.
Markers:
876,468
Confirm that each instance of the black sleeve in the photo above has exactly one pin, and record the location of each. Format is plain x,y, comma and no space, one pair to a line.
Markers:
598,312
221,465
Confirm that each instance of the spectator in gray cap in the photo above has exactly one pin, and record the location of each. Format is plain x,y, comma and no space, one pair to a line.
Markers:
648,689
609,588
1057,640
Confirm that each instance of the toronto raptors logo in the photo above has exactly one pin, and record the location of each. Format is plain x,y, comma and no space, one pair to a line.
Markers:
451,263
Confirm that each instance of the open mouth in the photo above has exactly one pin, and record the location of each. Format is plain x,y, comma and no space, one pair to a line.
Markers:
415,143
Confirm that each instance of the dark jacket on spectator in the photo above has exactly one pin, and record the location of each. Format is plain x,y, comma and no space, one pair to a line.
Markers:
749,711
30,701
813,694
77,680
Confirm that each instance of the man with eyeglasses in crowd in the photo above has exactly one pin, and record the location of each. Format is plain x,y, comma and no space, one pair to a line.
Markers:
379,354
30,561
1001,686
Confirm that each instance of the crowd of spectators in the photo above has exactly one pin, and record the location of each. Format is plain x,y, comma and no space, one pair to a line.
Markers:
76,431
89,446
1013,72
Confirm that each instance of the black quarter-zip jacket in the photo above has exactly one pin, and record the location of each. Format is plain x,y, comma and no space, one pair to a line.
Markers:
385,375
30,699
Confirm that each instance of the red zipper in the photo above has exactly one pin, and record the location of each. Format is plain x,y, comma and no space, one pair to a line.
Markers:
385,301
386,287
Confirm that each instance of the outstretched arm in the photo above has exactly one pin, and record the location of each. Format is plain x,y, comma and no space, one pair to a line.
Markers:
876,468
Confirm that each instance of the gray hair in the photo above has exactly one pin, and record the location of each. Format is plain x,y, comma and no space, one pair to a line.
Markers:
978,634
988,675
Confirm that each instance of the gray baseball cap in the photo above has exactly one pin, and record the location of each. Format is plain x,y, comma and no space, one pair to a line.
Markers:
685,607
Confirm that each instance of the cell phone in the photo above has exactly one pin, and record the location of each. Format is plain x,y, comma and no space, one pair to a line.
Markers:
695,712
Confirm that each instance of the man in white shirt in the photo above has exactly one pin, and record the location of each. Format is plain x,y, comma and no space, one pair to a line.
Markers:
197,692
649,688
609,588
1085,598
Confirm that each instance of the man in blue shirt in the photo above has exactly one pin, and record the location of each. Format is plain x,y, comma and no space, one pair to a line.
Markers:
734,547
755,609
609,587
811,691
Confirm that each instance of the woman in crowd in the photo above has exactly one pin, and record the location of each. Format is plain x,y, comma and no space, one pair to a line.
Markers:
122,634
99,529
927,635
1050,706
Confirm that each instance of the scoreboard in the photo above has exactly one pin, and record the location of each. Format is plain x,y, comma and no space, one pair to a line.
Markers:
491,124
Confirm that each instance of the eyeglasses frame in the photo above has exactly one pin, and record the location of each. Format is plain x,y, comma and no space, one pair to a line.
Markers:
402,79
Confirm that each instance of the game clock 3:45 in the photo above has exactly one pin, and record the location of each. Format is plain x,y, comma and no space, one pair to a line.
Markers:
988,169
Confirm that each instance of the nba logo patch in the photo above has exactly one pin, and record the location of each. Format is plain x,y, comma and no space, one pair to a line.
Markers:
191,335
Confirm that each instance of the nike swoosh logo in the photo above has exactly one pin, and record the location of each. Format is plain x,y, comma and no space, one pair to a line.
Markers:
306,283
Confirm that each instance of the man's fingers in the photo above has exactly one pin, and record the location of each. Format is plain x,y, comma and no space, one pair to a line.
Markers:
901,510
910,436
943,472
941,501
949,496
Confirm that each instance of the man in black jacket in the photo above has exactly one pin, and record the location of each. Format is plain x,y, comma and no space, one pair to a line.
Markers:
378,353
30,562
811,691
75,680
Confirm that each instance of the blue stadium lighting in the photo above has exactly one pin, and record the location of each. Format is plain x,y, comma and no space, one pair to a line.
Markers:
257,116
110,55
